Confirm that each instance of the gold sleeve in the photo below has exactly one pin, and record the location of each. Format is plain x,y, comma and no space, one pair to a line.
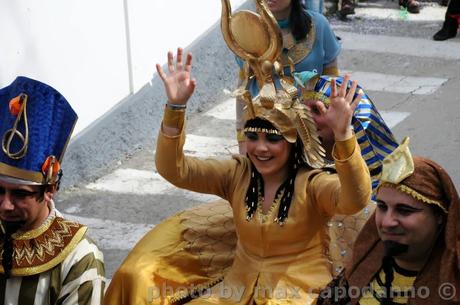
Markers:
348,191
174,118
200,175
344,149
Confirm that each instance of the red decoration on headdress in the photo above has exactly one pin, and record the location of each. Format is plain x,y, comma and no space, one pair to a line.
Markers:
51,163
16,104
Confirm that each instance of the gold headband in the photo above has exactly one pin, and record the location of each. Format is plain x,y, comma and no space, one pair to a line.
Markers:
264,130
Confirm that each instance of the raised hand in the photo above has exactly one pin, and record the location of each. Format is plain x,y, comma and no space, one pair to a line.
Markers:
178,84
340,111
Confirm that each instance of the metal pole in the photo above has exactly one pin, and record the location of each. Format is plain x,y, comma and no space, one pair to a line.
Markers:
128,48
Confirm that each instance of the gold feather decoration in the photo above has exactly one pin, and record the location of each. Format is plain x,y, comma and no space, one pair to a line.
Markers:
314,152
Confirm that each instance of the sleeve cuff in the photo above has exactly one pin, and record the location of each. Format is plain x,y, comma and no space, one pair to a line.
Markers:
174,118
344,149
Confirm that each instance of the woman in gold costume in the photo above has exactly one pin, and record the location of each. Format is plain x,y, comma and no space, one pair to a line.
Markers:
280,195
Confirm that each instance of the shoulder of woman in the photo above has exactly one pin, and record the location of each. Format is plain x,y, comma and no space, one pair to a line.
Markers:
319,19
241,161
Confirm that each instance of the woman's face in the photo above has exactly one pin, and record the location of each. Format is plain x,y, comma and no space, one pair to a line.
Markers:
269,153
280,8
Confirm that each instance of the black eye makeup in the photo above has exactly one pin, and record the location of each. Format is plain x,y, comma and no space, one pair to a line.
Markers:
250,135
274,137
381,205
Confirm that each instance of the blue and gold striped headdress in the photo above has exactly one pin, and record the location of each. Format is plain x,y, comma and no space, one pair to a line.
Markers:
35,127
374,137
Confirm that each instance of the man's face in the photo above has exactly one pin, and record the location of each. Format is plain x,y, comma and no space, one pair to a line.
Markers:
401,218
26,204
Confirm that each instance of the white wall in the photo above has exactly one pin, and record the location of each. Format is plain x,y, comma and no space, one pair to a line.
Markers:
79,47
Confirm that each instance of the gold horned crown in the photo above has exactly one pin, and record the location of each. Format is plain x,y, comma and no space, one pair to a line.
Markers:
257,39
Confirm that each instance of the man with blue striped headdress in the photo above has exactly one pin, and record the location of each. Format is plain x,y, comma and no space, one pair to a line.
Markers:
44,258
375,140
374,137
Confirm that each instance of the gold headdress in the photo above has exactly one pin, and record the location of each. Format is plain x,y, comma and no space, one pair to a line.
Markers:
418,179
256,38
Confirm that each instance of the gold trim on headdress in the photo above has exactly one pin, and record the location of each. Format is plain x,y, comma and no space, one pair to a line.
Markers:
256,38
264,130
23,174
399,165
414,194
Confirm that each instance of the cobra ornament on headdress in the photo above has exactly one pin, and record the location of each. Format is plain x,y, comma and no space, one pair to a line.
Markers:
256,38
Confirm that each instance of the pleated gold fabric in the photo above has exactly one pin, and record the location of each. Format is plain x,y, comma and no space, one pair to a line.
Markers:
191,250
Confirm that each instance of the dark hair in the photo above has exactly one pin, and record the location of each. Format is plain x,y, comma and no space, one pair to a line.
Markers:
259,123
299,20
387,298
7,256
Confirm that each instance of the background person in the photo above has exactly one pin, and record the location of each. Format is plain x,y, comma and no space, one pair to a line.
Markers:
376,141
45,258
451,22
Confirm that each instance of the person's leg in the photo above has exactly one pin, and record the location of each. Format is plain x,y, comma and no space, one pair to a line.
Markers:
346,7
451,22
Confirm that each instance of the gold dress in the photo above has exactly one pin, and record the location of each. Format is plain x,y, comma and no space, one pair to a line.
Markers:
272,264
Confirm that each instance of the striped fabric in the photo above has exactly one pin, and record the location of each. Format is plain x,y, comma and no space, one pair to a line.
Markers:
374,137
402,288
78,280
